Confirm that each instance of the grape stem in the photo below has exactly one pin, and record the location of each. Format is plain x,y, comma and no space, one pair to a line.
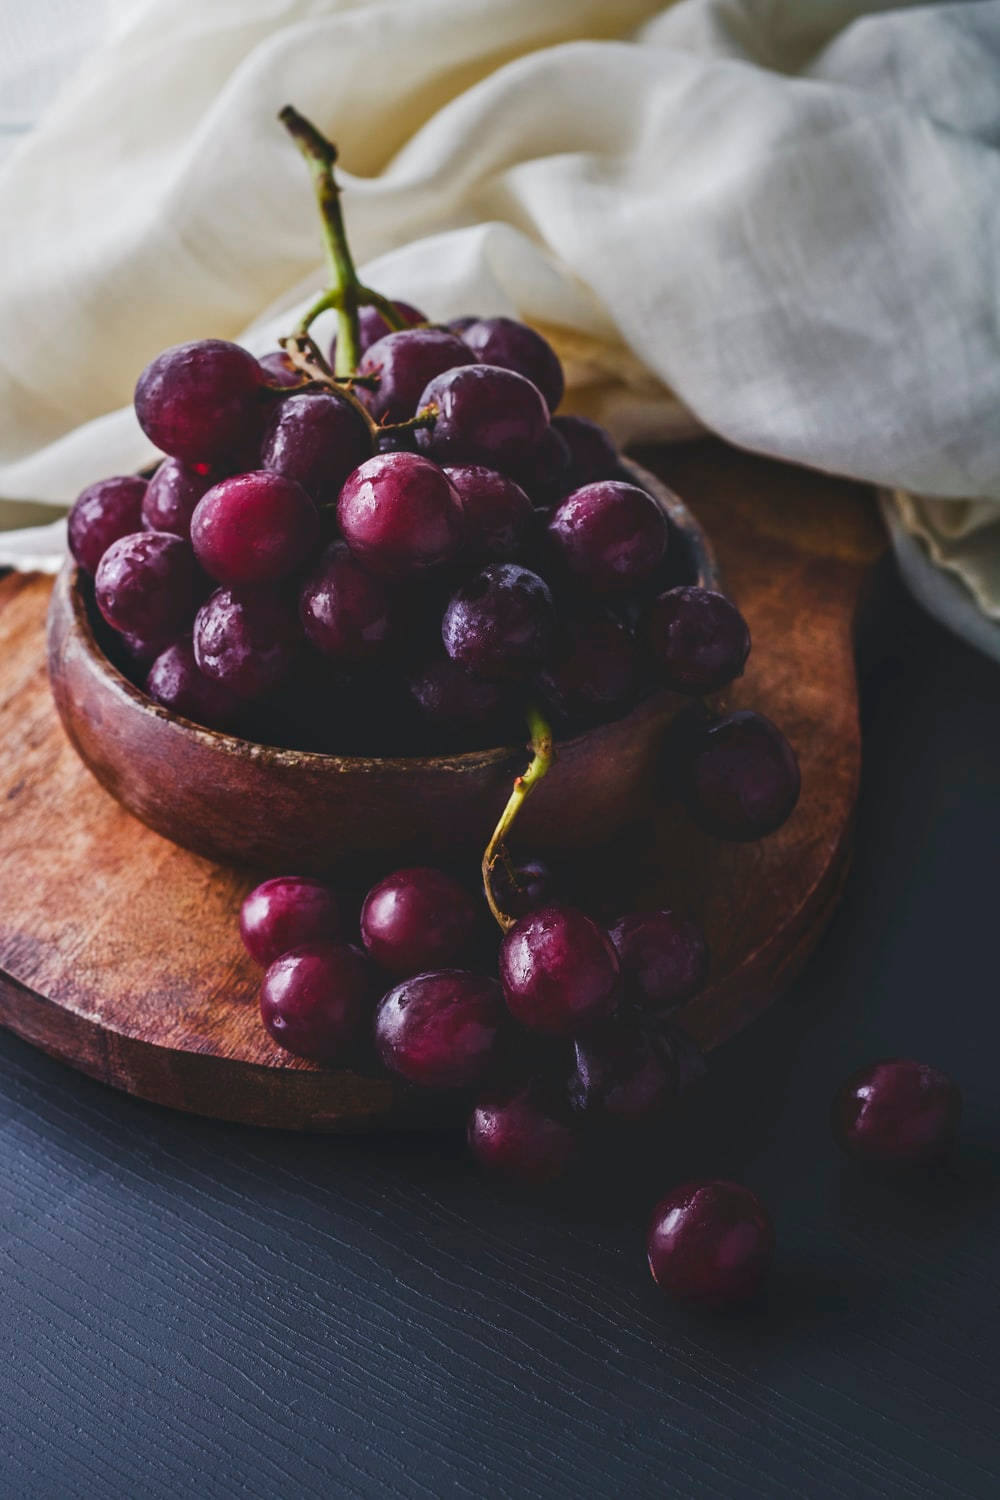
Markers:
346,292
318,376
542,756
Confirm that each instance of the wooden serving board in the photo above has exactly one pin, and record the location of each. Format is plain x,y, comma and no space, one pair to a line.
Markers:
119,952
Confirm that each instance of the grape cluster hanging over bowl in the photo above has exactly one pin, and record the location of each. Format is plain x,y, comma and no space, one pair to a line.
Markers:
402,544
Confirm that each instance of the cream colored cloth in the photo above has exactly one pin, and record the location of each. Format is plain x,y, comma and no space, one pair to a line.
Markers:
788,214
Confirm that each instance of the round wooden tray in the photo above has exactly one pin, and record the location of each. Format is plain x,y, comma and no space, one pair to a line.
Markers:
119,951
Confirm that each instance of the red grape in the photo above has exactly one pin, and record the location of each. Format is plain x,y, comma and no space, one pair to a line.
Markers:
699,639
404,363
710,1242
316,438
496,513
175,681
743,777
345,611
254,528
246,639
400,514
898,1112
559,971
441,1029
286,911
173,492
419,918
484,415
608,536
315,999
103,513
663,958
146,585
500,623
523,1136
201,401
515,346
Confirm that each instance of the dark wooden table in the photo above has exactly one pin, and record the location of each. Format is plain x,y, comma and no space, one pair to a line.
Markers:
196,1309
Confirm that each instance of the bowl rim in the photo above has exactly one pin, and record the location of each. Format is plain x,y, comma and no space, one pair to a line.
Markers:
677,512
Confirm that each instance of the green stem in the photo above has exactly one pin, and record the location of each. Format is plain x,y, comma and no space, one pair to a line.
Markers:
321,156
542,756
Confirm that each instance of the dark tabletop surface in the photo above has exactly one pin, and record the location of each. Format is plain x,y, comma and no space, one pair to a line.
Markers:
194,1308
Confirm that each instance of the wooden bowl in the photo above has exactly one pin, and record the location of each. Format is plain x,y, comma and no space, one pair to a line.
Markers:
235,800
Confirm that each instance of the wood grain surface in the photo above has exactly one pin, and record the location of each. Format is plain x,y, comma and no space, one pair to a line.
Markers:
119,951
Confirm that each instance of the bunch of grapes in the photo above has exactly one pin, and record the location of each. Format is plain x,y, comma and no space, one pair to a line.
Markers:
404,545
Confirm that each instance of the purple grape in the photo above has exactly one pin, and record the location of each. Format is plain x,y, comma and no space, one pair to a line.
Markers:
145,650
592,451
279,370
316,438
515,346
484,415
246,639
496,513
608,536
146,585
419,918
400,514
286,911
592,673
710,1242
898,1113
405,362
200,402
175,681
524,1136
663,958
315,1000
372,326
545,473
521,885
698,638
441,1029
173,492
500,624
743,777
345,612
449,698
620,1078
103,513
459,325
559,972
254,528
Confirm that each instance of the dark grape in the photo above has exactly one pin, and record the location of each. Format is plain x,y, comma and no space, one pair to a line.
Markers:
441,1029
592,673
254,528
146,585
145,650
279,370
173,492
345,611
608,536
620,1078
316,438
405,362
743,777
559,971
698,638
201,401
500,624
592,451
419,918
103,513
484,415
524,1136
286,911
315,1000
372,326
247,639
496,513
663,958
710,1242
175,681
898,1113
515,346
545,473
400,514
449,698
521,885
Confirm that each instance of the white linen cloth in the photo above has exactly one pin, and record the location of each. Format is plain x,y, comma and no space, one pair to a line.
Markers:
788,214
